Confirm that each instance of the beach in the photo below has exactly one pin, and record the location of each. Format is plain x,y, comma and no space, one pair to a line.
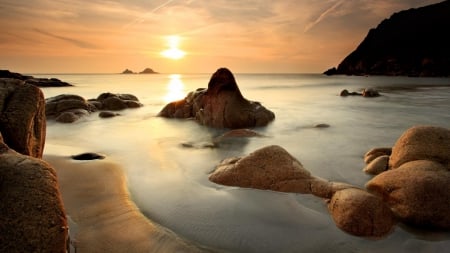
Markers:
101,215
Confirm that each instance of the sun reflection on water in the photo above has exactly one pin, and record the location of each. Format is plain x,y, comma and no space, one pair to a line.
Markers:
175,89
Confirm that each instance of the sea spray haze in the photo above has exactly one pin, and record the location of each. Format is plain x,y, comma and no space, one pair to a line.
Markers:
169,180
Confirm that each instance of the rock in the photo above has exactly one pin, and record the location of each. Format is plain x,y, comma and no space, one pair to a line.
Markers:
360,213
422,143
32,214
270,167
345,93
148,71
67,117
127,71
88,156
378,165
376,152
68,108
114,104
237,133
221,105
409,43
107,114
370,93
22,121
322,125
418,192
40,82
55,106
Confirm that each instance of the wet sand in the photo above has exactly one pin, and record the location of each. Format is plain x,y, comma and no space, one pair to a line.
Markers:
102,218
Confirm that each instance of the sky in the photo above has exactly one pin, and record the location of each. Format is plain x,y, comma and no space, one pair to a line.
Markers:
246,36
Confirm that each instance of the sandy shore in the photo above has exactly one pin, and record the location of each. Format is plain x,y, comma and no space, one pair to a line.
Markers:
102,216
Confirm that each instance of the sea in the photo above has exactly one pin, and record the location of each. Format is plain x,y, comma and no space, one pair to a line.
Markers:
167,163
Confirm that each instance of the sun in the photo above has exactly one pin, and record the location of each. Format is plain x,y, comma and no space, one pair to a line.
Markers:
173,52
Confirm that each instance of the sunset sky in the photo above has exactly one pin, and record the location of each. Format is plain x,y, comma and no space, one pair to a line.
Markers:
186,36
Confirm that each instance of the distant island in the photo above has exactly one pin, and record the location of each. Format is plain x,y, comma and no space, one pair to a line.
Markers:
412,42
145,71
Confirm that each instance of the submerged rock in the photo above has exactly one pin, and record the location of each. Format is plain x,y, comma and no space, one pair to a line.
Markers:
221,105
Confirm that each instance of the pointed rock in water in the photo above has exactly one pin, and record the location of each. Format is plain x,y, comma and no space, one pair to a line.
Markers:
221,105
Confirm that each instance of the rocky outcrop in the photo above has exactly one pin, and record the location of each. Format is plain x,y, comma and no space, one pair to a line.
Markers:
22,116
40,82
409,43
273,168
32,214
413,177
412,183
68,108
221,105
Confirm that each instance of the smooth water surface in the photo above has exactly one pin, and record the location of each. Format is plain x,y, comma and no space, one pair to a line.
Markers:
170,184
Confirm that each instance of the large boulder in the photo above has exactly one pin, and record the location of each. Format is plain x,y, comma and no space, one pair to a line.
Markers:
22,116
272,168
360,213
422,143
32,214
221,105
418,193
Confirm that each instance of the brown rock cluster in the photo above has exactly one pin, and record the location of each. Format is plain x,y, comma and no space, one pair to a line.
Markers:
273,168
32,214
68,108
221,105
412,185
416,180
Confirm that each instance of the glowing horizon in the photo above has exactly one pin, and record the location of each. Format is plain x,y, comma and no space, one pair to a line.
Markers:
292,36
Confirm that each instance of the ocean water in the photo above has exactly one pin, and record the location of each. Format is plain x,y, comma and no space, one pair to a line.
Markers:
169,182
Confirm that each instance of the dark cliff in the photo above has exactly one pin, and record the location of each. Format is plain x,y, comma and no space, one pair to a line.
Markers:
412,42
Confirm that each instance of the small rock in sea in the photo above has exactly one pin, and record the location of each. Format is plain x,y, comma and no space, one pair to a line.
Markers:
107,114
322,125
88,156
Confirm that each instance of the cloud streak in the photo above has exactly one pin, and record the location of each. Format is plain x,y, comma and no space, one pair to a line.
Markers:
76,42
322,16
